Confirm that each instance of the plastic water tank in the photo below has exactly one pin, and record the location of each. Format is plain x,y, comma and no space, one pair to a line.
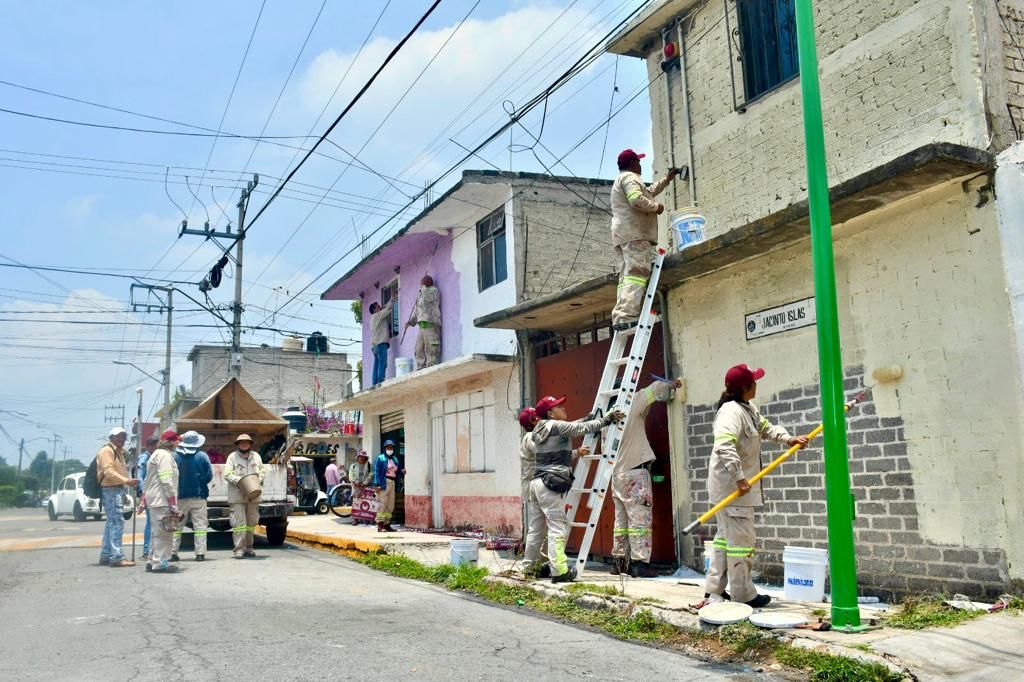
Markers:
316,343
296,419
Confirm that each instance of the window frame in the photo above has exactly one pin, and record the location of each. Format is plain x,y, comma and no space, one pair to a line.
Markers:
476,412
747,54
487,224
395,287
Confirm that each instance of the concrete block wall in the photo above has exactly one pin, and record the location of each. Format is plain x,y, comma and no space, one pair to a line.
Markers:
562,236
892,555
895,75
278,379
1012,23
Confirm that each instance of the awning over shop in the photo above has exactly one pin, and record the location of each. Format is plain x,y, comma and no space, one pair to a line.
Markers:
590,302
383,397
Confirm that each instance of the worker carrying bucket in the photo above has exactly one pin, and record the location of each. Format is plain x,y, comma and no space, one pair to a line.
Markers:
735,458
634,234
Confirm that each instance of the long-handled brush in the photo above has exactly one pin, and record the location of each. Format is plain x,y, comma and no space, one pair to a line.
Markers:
880,375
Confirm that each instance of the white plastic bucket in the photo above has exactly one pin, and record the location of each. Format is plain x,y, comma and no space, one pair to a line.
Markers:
709,550
464,551
403,366
687,226
804,573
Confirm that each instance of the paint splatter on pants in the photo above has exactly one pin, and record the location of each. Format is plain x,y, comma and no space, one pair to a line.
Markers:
244,518
636,257
633,497
386,502
428,347
162,540
194,508
547,513
733,555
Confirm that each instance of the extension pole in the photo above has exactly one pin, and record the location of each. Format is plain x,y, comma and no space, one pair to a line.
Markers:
166,420
135,462
842,559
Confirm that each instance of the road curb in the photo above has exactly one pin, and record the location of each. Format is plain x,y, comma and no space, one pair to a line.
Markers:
337,541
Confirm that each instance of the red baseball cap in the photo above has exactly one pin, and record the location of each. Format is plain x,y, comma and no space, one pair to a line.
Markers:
741,377
170,435
545,404
627,156
526,417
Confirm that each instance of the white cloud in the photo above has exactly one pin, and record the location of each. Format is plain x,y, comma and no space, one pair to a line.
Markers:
81,207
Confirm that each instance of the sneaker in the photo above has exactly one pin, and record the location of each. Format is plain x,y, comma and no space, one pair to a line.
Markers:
724,596
566,577
175,557
545,571
200,557
238,555
149,568
618,566
249,552
623,326
759,601
642,569
165,569
103,562
123,563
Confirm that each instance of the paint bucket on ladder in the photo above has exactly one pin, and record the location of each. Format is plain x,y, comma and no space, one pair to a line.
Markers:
403,366
804,570
464,551
687,226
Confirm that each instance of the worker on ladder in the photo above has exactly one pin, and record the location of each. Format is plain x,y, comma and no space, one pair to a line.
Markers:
735,457
426,314
632,491
552,478
634,234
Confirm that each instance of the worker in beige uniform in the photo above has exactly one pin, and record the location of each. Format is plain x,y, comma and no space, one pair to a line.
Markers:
552,477
380,338
527,462
632,491
426,315
245,513
735,457
634,234
160,496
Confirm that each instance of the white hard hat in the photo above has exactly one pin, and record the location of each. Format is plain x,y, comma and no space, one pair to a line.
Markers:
116,431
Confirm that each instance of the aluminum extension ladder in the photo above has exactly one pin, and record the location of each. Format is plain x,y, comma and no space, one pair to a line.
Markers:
625,360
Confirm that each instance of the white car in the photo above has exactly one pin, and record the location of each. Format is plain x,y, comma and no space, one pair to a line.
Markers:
71,500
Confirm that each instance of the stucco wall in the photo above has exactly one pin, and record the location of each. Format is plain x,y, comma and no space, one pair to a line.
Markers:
920,285
489,500
895,75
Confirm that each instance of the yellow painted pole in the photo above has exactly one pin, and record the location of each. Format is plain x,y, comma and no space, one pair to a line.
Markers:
703,518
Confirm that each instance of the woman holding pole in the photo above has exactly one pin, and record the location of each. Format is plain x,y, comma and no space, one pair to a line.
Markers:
735,457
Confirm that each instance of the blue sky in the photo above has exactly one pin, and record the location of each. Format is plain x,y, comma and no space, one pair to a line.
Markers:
178,61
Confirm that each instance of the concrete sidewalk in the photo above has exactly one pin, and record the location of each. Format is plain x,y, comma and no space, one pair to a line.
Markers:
990,647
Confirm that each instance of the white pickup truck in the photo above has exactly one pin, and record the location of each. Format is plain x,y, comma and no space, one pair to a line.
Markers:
275,503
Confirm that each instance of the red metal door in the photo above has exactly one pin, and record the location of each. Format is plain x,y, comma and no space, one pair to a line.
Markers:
575,373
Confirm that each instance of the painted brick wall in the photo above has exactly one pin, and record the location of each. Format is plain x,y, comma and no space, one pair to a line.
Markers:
894,76
563,235
892,556
276,378
1012,18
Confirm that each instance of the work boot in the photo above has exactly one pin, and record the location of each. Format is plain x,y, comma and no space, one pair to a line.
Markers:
380,527
175,557
389,529
238,555
123,563
619,566
724,595
759,601
623,326
545,571
566,577
200,557
249,552
642,569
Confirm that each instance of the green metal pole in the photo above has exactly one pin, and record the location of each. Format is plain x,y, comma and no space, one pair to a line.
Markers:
842,560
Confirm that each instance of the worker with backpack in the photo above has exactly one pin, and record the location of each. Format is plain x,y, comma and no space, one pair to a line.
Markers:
106,479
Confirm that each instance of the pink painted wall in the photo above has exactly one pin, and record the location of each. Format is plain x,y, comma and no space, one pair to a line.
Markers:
497,514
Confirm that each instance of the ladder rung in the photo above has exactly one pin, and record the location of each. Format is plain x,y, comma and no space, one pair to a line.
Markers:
619,362
577,524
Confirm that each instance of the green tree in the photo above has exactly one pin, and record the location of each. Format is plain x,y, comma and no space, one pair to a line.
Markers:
357,311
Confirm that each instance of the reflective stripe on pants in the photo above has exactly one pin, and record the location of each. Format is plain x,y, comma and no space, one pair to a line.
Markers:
632,495
636,258
193,508
244,517
733,554
547,511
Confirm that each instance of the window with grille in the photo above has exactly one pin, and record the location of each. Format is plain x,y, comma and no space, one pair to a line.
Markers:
490,239
462,432
388,293
768,44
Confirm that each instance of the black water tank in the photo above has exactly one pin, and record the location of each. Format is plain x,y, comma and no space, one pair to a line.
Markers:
316,343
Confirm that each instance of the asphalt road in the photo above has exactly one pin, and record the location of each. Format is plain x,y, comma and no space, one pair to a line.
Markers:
291,613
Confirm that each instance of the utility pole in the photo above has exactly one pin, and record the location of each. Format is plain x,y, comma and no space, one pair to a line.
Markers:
21,453
235,362
53,462
110,415
63,461
839,502
160,307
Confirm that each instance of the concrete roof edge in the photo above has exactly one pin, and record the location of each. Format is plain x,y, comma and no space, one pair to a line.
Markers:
526,306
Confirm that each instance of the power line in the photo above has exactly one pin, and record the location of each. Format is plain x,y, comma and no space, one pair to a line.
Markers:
45,268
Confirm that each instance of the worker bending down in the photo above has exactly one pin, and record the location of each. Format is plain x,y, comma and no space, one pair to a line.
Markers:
426,315
735,457
552,477
634,234
632,492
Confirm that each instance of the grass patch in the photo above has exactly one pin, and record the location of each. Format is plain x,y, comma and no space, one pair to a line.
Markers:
818,613
741,641
829,668
917,613
1016,604
609,590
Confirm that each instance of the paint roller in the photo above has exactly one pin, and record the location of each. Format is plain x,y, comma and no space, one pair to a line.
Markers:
882,375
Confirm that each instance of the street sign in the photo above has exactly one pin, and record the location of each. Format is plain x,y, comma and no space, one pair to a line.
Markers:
779,319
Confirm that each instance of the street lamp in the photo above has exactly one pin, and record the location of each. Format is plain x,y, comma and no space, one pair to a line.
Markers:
21,448
132,364
165,382
53,462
